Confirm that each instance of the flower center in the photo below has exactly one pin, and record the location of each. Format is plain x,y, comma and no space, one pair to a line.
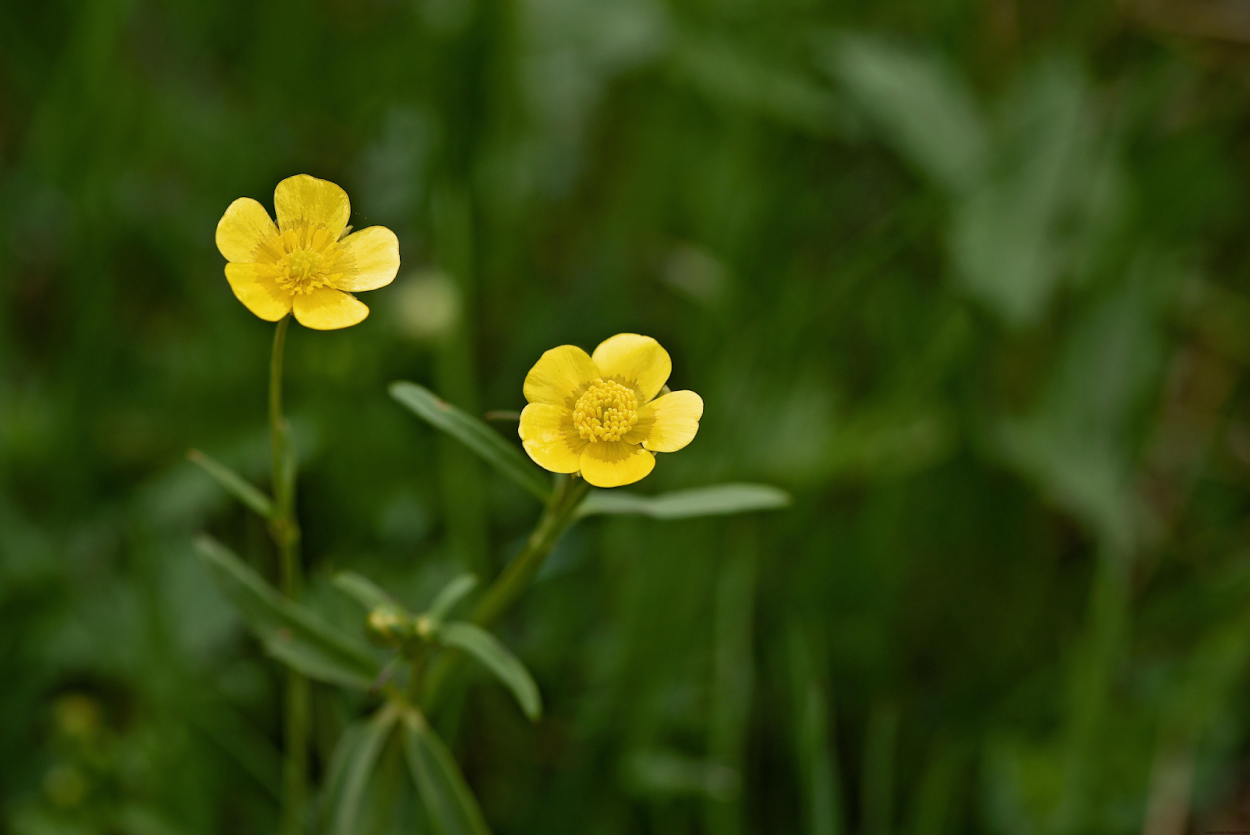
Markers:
606,412
302,271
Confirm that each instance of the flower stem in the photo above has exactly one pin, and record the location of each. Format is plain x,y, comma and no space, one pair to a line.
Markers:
560,513
285,533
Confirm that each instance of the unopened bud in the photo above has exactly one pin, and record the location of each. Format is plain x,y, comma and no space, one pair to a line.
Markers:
424,626
387,627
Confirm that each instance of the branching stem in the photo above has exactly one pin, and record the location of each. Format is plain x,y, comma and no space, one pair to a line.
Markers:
560,513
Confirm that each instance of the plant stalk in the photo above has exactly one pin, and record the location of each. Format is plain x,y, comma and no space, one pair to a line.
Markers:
560,513
285,533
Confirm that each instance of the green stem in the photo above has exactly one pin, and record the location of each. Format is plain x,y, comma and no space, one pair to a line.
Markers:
286,536
560,513
417,659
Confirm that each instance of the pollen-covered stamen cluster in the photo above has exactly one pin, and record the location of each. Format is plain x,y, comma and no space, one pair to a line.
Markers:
307,262
606,412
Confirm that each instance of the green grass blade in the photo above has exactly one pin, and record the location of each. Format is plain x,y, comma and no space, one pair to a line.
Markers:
814,720
449,803
290,632
476,435
495,657
720,500
234,484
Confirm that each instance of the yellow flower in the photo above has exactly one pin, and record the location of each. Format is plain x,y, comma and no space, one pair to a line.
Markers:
304,262
599,414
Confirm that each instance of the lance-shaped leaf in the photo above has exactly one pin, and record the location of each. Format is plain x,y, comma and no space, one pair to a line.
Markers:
235,484
352,766
364,591
451,594
289,632
448,801
476,435
495,657
719,500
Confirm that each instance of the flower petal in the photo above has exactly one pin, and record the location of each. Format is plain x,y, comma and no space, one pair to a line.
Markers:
325,309
306,203
548,435
243,229
635,360
369,259
560,376
615,463
668,423
254,285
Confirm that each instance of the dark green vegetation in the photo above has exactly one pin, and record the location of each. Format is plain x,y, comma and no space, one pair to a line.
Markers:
972,287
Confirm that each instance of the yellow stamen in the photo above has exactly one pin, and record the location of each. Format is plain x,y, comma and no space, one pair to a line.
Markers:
308,262
606,412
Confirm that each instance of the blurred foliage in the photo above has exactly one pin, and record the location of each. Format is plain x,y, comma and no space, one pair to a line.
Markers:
969,279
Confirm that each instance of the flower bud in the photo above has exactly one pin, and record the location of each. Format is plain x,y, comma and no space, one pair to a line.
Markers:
387,627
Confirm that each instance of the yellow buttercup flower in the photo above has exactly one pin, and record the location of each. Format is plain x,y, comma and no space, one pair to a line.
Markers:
599,414
304,263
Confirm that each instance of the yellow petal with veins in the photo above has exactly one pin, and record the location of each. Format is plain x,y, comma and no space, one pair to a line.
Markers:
325,309
370,258
254,285
635,360
305,204
549,436
243,231
669,422
560,376
615,464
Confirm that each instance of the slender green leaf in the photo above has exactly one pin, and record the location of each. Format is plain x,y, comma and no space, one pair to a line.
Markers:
819,773
493,655
356,768
364,591
476,435
336,771
235,484
290,632
449,802
684,504
451,594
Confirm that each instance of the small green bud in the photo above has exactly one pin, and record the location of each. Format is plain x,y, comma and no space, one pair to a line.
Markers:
424,627
387,627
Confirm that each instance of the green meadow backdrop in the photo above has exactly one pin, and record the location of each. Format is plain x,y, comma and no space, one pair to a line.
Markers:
969,279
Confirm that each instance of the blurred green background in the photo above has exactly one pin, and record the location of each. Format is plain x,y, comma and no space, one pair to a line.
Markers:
968,278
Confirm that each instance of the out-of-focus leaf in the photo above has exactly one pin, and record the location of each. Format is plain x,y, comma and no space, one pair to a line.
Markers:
451,594
290,633
476,435
669,774
732,75
923,108
819,772
719,500
493,655
1075,443
364,591
235,484
1018,235
448,801
357,767
336,770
